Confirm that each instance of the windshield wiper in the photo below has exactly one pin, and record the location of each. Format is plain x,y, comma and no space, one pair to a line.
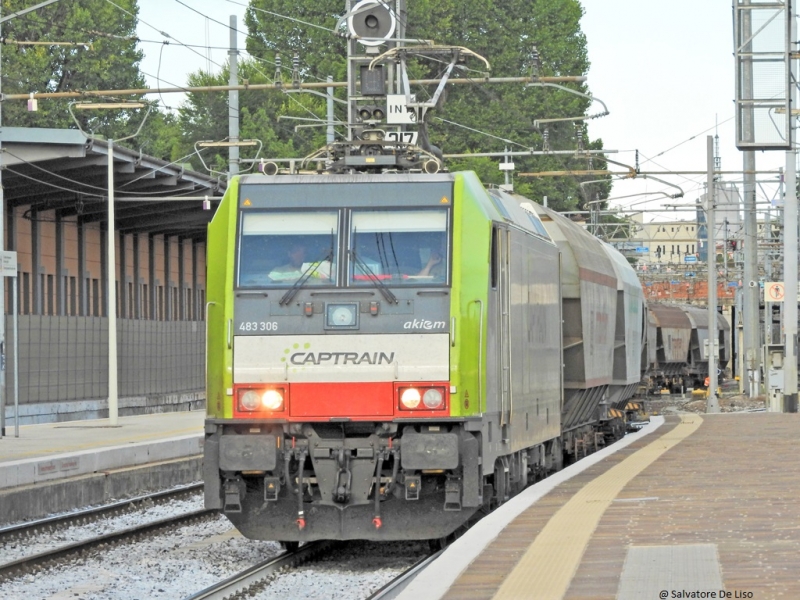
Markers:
371,276
306,275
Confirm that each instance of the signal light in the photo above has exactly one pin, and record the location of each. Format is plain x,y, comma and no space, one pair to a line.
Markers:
372,113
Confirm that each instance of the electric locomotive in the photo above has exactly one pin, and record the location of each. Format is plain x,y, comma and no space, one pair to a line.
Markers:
385,352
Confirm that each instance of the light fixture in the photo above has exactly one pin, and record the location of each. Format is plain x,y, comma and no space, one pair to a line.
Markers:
107,105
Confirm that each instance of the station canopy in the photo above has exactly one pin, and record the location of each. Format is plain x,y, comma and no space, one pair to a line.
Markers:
65,171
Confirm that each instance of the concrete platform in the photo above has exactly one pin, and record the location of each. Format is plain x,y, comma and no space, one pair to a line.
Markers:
60,466
704,505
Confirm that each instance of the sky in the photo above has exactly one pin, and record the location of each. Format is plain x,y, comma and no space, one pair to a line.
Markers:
665,71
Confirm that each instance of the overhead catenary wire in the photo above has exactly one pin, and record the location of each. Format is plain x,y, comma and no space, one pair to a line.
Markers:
247,34
37,19
87,185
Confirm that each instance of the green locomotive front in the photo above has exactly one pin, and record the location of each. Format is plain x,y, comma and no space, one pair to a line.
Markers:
384,354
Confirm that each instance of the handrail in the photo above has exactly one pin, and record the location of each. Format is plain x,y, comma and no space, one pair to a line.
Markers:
208,305
480,354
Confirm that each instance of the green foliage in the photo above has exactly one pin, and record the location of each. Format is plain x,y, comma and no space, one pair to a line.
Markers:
503,32
506,34
109,60
204,116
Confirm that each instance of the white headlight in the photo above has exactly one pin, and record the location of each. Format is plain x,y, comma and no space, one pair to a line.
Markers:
249,400
272,400
410,398
432,398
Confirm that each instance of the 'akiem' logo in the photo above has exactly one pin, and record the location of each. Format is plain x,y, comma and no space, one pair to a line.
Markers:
424,324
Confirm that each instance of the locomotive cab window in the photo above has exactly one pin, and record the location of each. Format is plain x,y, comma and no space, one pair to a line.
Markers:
399,247
278,248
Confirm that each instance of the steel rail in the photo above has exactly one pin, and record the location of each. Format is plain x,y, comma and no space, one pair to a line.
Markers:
65,520
257,574
36,561
399,583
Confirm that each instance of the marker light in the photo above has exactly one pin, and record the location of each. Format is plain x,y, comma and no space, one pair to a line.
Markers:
433,398
250,400
410,398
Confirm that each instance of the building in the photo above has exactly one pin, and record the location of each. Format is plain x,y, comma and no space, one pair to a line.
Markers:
666,242
55,185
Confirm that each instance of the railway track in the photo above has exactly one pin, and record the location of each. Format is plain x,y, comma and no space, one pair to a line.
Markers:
35,562
399,583
81,517
257,577
251,581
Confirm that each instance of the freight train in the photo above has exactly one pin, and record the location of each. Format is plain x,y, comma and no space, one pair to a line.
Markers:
392,354
677,348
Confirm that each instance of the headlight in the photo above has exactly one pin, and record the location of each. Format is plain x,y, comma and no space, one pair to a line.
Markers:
433,398
249,400
261,400
272,400
410,398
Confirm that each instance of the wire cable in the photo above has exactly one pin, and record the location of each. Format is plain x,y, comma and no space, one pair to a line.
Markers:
88,185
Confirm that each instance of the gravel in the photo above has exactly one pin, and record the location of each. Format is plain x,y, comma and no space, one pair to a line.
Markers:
179,563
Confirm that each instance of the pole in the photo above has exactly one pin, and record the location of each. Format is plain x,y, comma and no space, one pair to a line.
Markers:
330,136
113,410
16,356
790,282
506,175
351,80
2,283
233,101
768,276
750,278
111,289
750,300
712,405
790,256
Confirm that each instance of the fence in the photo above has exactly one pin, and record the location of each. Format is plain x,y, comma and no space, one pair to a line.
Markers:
64,358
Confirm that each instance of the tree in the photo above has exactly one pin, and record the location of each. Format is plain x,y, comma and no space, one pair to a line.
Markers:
104,56
518,37
265,115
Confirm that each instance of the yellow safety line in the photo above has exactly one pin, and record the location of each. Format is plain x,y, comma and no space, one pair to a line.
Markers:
546,569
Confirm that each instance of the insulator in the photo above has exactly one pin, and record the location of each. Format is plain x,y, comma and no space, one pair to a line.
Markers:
278,74
536,63
296,71
546,140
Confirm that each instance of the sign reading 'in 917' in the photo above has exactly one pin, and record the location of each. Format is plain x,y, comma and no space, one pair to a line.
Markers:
397,110
8,266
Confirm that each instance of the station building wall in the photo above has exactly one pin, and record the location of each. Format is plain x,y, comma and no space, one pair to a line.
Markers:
63,318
